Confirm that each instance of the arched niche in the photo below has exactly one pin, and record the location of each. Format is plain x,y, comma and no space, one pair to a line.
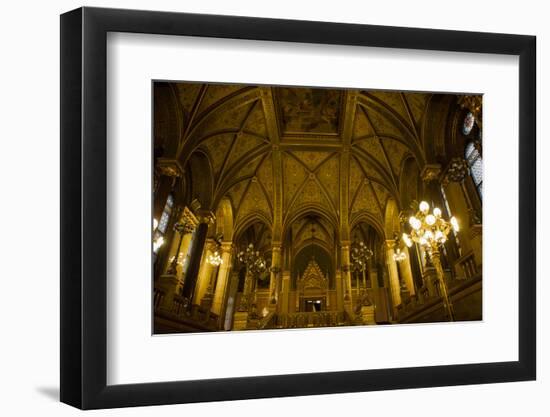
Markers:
410,184
224,220
318,254
392,225
258,233
311,228
370,235
168,121
308,211
200,180
435,135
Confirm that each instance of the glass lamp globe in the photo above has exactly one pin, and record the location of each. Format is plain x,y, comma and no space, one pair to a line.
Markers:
415,223
424,207
430,219
407,240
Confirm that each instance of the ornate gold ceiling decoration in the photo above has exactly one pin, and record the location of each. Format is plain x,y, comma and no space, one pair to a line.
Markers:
290,142
308,111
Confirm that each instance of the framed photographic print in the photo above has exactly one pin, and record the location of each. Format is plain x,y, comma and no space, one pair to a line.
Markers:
258,208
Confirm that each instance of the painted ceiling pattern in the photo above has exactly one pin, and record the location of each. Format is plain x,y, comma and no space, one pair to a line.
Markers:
260,138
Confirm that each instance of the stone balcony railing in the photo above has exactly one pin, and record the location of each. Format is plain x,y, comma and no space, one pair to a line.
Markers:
312,319
425,302
180,315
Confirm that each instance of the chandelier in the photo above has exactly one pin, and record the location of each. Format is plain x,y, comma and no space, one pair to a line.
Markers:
399,256
214,259
360,255
256,267
255,264
430,231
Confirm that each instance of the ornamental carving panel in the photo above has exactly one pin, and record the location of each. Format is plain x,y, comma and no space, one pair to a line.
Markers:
312,278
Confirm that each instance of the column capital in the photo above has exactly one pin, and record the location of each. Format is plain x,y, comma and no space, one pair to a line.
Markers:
471,103
189,219
390,243
210,244
430,172
456,171
275,269
276,247
206,217
226,247
169,167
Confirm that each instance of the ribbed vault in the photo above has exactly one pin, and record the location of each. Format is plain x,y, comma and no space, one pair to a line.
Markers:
275,152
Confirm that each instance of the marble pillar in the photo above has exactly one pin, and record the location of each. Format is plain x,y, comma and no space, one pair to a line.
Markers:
222,283
395,286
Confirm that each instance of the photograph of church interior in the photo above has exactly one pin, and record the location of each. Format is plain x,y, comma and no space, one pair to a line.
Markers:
296,207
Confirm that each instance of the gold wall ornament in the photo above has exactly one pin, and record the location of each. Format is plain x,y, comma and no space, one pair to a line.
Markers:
472,103
169,167
430,230
430,172
312,278
456,170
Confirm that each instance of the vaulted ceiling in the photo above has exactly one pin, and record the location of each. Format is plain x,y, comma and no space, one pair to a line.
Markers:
276,151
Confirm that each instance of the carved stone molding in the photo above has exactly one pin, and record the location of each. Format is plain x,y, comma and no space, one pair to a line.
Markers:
169,167
189,220
456,171
275,269
430,172
472,103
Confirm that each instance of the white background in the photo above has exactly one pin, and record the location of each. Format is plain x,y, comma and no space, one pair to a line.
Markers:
29,109
133,60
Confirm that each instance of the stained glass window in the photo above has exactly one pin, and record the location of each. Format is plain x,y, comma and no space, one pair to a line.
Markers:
468,123
476,166
160,230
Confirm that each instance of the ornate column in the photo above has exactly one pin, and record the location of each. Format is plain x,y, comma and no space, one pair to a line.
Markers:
458,196
190,281
179,247
285,290
395,287
222,283
171,282
167,172
406,270
205,271
346,271
274,277
230,299
340,290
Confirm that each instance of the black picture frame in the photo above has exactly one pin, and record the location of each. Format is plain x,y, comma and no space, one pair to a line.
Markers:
84,207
